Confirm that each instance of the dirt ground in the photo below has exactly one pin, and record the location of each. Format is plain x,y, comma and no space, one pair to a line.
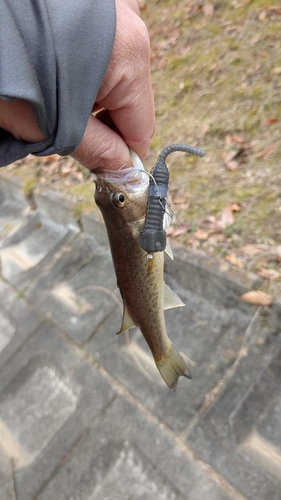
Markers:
216,72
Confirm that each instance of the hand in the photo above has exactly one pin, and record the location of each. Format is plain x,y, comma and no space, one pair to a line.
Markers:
126,94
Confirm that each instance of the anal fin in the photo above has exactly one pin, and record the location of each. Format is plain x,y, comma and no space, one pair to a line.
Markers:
170,298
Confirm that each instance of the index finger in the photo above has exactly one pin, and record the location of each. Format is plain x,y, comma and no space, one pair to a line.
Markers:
135,120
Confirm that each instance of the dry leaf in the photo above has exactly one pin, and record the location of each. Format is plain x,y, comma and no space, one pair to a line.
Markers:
231,155
226,218
269,274
79,176
236,155
176,231
254,40
184,206
276,71
201,235
235,207
262,15
233,259
231,165
257,298
66,169
263,54
250,250
266,151
216,238
238,139
270,121
208,10
179,201
228,140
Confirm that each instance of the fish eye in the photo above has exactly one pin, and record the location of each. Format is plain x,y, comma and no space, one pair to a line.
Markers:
119,200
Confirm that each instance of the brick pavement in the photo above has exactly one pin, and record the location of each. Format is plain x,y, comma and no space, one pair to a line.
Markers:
84,415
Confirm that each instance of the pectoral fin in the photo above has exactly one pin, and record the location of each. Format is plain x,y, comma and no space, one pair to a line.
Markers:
170,299
127,321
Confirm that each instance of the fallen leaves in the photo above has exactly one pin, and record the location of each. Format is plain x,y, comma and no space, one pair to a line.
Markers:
210,225
272,11
269,274
234,260
210,234
236,150
201,235
257,298
250,250
267,151
227,218
271,120
208,10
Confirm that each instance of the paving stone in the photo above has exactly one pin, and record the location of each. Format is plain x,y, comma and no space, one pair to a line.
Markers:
6,477
60,424
11,214
206,277
56,206
17,321
12,188
210,337
240,435
48,397
93,224
117,461
27,250
78,291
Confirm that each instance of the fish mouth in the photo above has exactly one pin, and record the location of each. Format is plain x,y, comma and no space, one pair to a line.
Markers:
132,179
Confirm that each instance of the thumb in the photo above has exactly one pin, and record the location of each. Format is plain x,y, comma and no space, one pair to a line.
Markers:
102,148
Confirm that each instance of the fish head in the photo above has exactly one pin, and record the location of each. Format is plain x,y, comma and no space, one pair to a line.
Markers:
122,194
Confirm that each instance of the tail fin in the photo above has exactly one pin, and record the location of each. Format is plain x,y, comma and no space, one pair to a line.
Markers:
171,367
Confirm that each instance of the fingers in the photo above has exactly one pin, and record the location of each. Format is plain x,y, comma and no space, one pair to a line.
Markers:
126,90
17,118
101,148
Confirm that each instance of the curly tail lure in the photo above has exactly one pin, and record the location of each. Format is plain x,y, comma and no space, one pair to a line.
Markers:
153,236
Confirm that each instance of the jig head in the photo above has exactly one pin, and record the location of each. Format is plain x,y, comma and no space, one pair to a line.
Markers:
153,236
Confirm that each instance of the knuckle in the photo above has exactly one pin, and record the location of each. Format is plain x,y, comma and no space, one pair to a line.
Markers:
141,41
136,39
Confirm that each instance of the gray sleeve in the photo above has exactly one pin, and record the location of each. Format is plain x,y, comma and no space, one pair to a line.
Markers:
54,54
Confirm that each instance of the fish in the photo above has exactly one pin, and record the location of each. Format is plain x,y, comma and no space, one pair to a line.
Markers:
121,197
